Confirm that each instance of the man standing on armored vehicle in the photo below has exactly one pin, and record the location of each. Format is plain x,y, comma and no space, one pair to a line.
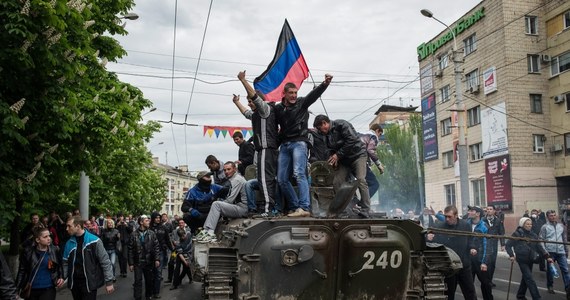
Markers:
348,156
264,123
293,118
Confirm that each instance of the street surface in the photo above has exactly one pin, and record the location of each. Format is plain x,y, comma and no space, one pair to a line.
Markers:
123,286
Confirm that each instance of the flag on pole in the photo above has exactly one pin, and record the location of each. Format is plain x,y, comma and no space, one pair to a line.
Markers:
288,65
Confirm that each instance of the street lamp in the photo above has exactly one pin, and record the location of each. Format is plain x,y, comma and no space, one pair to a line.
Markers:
148,112
130,16
150,149
460,109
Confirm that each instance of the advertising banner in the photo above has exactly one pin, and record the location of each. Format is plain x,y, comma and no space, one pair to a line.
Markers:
498,182
430,128
490,80
494,131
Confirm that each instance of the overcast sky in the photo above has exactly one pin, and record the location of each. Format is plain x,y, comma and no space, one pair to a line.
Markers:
369,46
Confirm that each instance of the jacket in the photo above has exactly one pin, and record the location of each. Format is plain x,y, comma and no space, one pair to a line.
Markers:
143,248
293,120
370,142
162,235
522,248
495,226
29,259
110,238
264,124
200,199
95,259
479,243
556,232
319,149
343,140
460,244
245,155
7,286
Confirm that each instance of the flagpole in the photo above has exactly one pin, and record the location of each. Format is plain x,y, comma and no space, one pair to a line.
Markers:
320,98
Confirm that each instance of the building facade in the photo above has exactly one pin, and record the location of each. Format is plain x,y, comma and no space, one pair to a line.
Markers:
512,56
177,181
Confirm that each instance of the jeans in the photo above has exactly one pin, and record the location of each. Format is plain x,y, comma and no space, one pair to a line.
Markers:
372,181
251,186
293,159
527,282
563,264
465,281
113,257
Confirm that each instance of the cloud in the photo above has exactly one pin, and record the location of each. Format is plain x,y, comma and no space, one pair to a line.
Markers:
353,40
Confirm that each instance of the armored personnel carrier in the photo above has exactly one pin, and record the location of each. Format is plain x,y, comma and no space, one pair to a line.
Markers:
322,257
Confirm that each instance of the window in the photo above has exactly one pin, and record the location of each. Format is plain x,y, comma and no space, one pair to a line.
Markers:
447,158
566,97
559,64
444,93
472,79
449,194
538,143
443,61
567,143
536,103
475,151
479,198
567,19
533,61
474,116
531,24
470,44
446,127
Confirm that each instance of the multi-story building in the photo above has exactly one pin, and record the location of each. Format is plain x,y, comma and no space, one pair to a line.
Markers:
177,181
512,56
390,114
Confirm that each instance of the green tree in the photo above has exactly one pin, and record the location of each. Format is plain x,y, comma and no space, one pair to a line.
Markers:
399,184
62,112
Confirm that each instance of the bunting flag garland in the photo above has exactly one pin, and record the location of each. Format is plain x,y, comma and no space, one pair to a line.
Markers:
288,65
227,131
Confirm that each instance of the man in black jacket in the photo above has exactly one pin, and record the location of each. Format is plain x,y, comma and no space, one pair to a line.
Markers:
143,257
347,155
496,227
246,152
293,118
166,247
462,245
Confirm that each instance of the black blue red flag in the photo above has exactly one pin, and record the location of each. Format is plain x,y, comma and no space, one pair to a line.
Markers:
288,65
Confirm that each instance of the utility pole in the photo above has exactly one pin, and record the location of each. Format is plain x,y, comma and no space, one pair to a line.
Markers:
460,110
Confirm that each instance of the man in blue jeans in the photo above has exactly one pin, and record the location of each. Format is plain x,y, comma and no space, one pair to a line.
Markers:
556,232
293,118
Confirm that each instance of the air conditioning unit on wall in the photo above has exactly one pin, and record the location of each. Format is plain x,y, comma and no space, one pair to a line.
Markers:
545,58
559,98
556,147
474,89
438,73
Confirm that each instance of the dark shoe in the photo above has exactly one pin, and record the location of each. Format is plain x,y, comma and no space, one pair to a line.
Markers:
251,213
114,279
363,215
124,275
157,296
493,284
168,281
551,290
173,287
542,269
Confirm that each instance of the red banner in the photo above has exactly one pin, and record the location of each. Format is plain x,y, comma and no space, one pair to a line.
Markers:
498,182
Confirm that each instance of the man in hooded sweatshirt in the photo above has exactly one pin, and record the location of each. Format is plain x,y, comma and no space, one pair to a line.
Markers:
198,201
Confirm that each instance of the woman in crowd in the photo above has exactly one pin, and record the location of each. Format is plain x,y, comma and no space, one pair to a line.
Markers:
110,237
40,265
524,253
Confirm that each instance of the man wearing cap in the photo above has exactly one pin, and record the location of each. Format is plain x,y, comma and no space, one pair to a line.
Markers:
143,257
461,245
478,251
233,206
198,201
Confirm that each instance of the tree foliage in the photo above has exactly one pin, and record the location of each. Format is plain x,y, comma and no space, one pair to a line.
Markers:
62,112
399,187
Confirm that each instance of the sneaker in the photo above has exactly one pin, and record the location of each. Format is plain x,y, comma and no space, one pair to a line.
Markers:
551,290
157,296
173,287
251,213
168,281
199,235
299,213
207,238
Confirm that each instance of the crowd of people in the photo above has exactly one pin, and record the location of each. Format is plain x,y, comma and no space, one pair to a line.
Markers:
540,238
86,254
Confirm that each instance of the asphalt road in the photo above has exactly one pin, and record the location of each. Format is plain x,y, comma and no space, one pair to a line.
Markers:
124,290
